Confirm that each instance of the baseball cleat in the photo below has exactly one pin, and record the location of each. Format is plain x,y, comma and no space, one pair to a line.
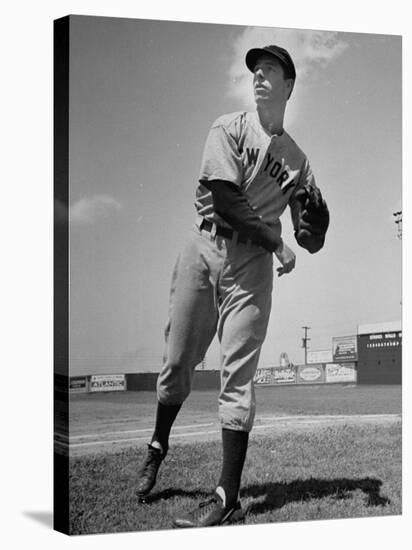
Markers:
148,472
212,512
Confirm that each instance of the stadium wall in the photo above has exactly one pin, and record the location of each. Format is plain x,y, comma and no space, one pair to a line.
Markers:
322,373
202,380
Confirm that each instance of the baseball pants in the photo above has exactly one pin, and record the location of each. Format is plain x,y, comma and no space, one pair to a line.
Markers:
218,286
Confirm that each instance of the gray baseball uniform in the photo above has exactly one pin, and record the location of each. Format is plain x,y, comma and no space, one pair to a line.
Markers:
222,283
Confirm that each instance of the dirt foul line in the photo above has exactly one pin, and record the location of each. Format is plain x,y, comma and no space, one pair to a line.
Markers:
262,423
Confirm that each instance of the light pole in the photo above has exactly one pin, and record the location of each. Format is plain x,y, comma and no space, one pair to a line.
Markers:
305,341
398,221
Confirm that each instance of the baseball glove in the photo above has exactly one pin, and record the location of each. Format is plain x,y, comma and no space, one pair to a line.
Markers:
312,220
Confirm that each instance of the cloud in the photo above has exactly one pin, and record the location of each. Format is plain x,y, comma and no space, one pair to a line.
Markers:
89,209
311,51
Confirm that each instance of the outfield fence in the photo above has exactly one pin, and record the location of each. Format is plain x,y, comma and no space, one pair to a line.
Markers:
319,373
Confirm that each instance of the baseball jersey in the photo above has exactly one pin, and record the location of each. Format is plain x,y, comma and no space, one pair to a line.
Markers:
267,168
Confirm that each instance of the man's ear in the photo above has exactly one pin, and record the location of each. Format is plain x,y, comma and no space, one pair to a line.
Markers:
290,85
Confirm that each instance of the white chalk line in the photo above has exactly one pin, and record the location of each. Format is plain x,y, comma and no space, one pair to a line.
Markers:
107,442
278,420
141,430
329,416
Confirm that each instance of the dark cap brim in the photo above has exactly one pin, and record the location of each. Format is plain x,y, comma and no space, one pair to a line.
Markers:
253,55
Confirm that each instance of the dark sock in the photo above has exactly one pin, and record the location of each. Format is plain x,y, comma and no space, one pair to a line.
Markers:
165,416
235,445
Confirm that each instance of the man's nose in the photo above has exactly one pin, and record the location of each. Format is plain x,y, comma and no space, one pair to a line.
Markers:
259,74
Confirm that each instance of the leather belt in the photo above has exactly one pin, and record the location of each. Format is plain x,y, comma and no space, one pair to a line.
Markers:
225,232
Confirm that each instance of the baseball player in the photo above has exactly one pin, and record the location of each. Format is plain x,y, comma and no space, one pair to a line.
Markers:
222,283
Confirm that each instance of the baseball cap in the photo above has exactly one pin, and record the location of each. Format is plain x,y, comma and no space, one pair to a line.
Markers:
281,55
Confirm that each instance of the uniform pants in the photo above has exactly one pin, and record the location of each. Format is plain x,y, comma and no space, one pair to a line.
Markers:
218,286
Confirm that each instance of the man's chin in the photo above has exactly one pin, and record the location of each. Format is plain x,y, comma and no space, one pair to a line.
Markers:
261,99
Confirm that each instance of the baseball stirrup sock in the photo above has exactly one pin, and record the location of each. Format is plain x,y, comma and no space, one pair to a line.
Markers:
235,445
165,416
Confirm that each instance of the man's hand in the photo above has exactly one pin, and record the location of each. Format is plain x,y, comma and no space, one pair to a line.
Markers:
287,258
311,218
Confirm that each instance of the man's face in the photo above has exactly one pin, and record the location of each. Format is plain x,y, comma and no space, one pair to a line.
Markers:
269,83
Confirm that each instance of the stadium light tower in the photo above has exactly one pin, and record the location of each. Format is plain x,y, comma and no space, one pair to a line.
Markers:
398,221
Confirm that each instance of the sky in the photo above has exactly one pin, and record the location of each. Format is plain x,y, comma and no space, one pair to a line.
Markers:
143,95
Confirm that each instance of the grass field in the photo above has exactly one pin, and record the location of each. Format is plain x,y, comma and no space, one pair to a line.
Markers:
300,472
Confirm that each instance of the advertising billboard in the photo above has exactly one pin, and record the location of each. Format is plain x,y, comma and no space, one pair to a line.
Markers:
340,372
344,348
271,376
107,382
78,384
310,374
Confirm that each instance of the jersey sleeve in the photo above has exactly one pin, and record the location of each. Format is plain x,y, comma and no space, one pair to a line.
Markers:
221,157
232,206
